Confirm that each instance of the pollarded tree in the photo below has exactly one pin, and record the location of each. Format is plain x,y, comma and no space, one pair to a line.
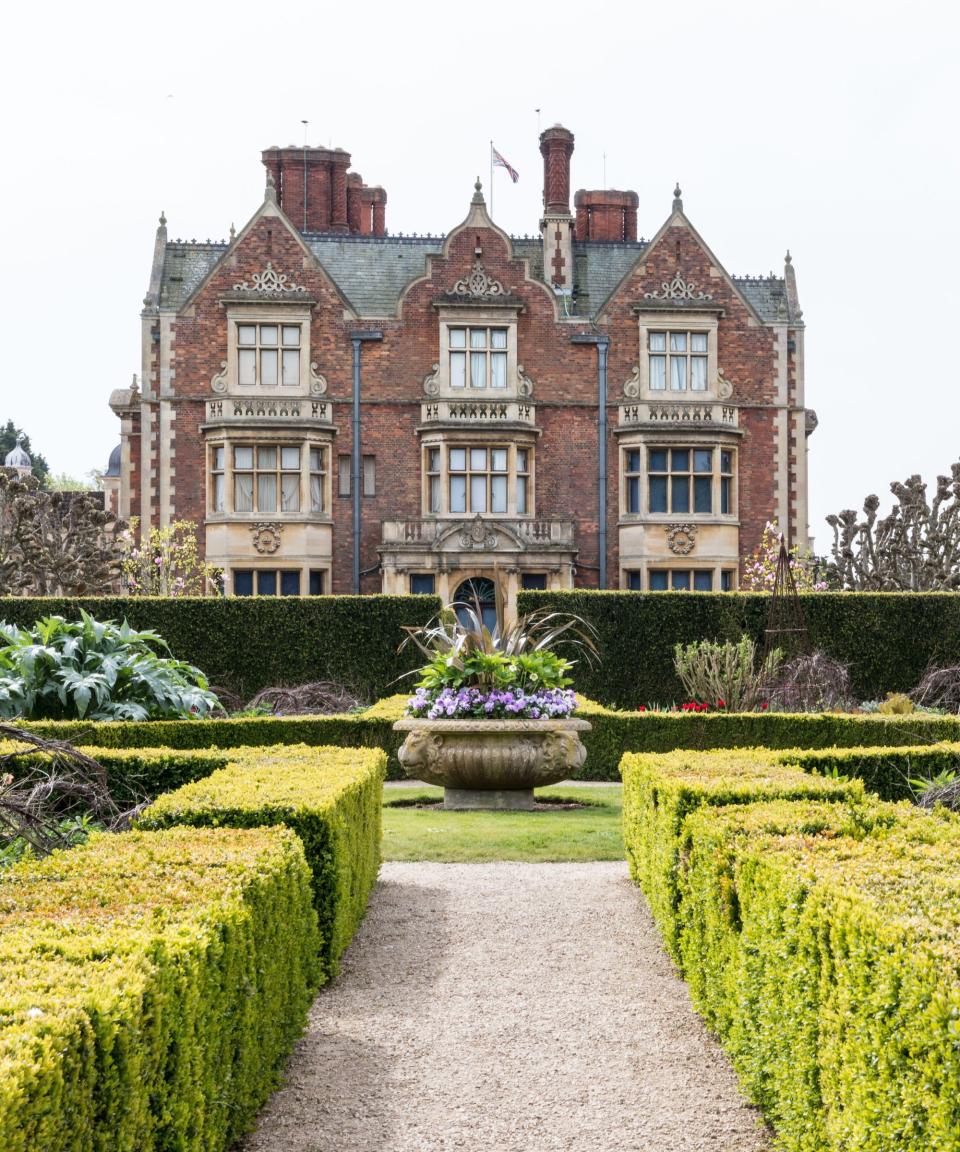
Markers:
914,549
54,543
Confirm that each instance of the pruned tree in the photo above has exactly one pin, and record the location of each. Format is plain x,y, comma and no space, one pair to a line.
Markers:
914,549
54,543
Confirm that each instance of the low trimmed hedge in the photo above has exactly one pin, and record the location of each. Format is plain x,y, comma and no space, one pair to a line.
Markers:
887,638
821,943
153,985
248,643
330,797
660,791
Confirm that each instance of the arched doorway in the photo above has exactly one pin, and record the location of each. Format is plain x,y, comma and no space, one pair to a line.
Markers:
477,589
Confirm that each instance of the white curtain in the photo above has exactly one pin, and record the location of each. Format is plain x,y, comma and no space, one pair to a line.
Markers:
242,493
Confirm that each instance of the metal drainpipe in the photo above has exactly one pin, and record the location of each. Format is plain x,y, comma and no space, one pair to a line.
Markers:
603,345
357,338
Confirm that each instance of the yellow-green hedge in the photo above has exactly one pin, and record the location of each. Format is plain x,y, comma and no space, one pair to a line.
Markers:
660,791
331,798
153,984
822,942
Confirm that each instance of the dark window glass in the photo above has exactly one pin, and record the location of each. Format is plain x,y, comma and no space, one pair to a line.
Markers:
726,462
726,580
242,582
422,583
702,460
289,583
702,494
680,581
633,460
316,582
658,493
680,493
534,581
267,583
633,494
725,494
634,582
703,581
658,460
658,581
680,460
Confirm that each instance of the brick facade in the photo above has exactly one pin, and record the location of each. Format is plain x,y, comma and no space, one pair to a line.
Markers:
343,283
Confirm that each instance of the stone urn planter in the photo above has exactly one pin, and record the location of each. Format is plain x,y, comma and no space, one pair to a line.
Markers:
491,763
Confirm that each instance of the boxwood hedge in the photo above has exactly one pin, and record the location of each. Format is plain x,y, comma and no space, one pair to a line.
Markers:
153,985
888,639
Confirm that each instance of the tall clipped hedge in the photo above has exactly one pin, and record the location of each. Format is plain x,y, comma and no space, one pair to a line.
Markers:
888,639
249,643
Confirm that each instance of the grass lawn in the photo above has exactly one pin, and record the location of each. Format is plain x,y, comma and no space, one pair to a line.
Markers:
590,833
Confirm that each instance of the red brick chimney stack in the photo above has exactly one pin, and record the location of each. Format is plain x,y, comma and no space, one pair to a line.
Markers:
332,199
556,147
605,214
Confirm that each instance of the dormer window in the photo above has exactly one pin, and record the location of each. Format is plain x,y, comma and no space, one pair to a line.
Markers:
268,355
678,361
478,357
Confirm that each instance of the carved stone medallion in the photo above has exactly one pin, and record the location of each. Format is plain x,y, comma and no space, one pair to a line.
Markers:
681,538
266,537
477,536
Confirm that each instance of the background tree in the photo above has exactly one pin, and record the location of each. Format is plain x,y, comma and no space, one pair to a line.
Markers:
8,441
54,543
760,570
914,549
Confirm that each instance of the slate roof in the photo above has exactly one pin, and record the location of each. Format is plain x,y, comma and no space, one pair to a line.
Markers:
371,272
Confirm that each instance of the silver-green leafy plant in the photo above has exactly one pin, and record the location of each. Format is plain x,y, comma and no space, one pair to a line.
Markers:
726,674
95,670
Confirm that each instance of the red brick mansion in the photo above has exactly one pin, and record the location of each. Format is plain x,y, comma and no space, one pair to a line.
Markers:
346,410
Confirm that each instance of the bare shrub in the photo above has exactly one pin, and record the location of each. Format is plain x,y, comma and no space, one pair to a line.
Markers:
812,682
939,688
49,793
320,698
944,791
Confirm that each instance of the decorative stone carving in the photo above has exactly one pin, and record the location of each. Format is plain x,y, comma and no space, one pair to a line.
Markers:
632,386
724,387
219,381
318,383
524,383
477,536
478,283
677,289
269,282
431,382
810,421
681,538
266,537
491,763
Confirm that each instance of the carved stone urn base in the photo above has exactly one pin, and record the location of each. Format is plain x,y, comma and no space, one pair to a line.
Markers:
494,764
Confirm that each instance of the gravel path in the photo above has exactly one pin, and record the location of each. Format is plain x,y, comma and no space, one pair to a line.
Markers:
503,1007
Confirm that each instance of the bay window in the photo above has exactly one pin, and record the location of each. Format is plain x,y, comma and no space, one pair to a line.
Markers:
268,478
477,479
689,480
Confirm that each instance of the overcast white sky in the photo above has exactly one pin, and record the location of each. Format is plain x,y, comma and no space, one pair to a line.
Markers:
828,128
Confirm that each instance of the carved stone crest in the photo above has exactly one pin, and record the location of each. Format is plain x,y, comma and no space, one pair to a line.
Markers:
632,386
269,282
266,537
681,538
477,536
478,283
677,289
219,381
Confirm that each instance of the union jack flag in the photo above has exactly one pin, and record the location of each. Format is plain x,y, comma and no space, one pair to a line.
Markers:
498,162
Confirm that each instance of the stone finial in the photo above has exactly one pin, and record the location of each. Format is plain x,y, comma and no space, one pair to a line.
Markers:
270,191
677,202
233,233
163,219
478,193
788,259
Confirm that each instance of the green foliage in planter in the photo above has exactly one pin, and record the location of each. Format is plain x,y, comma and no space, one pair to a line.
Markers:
819,941
660,791
246,643
888,639
96,670
331,798
153,985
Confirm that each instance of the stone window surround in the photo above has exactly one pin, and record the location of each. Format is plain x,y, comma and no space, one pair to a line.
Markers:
273,437
477,438
663,441
678,321
644,568
473,316
279,566
273,313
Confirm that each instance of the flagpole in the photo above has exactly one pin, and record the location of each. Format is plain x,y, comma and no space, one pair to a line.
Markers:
491,179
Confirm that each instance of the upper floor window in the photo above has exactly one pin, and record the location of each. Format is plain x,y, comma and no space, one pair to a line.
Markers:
478,357
463,479
680,481
678,361
268,355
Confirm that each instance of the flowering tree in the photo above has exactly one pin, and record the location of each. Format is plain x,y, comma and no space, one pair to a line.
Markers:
166,562
760,571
